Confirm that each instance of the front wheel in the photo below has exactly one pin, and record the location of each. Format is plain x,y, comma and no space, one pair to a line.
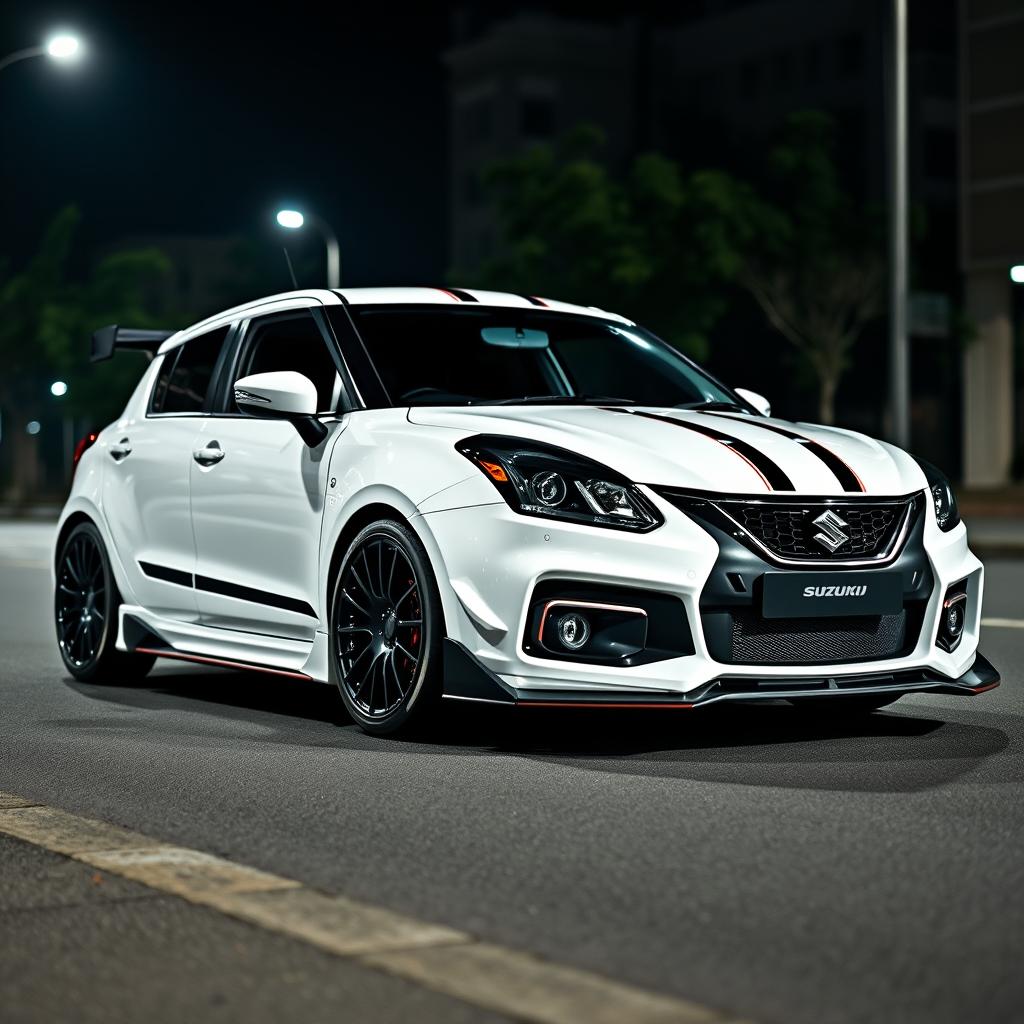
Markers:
86,603
386,630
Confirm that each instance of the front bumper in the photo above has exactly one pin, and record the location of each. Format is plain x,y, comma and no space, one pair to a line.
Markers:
490,561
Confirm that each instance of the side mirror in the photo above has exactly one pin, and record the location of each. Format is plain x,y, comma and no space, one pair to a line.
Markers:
759,402
282,395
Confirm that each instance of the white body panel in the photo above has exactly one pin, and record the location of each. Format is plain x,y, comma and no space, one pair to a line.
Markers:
271,514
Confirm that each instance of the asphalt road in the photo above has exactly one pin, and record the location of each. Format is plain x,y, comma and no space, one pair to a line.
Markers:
747,859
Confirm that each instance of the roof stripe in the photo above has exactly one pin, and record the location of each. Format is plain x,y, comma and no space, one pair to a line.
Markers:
842,471
533,300
460,294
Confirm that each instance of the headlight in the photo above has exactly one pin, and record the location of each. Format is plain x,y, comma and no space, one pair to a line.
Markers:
947,515
540,480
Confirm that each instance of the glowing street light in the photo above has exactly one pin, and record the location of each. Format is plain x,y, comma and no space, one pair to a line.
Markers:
1017,274
295,219
63,47
59,388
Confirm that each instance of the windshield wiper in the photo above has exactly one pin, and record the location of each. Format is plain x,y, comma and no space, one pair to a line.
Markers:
712,406
559,400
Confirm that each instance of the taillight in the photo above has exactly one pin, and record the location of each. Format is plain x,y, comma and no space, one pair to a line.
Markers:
80,449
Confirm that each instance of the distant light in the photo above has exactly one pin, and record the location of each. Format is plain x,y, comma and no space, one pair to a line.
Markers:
1017,274
58,389
290,218
33,427
63,47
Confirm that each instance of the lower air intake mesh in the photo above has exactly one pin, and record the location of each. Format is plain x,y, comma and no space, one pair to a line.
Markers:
759,641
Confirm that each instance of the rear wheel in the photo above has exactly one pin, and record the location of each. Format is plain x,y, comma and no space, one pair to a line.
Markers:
86,602
386,630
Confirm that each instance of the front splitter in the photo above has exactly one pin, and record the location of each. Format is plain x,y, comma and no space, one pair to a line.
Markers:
467,679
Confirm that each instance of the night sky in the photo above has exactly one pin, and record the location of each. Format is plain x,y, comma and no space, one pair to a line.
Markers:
201,120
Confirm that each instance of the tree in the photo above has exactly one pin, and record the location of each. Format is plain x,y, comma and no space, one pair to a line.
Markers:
659,240
815,266
45,322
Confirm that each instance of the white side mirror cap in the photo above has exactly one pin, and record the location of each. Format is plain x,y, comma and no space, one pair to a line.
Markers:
759,402
283,394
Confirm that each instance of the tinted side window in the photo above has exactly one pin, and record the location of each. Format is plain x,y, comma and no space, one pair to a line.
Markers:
156,399
293,343
190,378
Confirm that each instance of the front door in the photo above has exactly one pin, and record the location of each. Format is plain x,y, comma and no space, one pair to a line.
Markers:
258,492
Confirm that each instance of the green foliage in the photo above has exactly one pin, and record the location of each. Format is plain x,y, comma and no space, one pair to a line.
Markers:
659,241
815,267
46,320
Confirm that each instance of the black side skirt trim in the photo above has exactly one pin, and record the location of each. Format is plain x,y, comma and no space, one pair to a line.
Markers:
212,586
162,572
288,604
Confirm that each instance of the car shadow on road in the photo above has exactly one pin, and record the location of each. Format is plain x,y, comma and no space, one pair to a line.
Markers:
904,748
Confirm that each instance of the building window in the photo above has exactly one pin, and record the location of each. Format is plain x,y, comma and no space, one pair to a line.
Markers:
536,117
782,68
850,50
812,63
750,79
477,120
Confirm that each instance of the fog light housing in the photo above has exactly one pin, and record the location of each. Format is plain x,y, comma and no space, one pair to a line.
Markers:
953,617
591,631
573,631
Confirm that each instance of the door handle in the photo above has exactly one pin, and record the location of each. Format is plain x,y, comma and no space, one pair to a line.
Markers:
210,455
121,450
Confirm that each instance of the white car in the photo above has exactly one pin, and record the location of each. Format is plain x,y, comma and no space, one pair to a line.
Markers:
428,494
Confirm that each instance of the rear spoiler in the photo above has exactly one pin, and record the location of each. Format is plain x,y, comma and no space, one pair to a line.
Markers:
106,339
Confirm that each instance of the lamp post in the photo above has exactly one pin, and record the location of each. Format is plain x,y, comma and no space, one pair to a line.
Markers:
63,47
294,219
899,347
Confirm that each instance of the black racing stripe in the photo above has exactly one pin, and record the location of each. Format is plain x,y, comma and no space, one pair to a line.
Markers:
533,300
460,294
773,474
289,604
161,572
848,480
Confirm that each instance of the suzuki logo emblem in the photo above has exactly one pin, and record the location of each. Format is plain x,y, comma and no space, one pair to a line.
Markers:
832,535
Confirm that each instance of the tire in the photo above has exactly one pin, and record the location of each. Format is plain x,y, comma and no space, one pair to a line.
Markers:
853,705
387,626
85,605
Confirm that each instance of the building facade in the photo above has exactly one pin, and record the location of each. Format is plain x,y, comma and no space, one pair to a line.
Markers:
992,236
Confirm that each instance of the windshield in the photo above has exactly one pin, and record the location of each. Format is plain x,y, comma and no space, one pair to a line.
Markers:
440,356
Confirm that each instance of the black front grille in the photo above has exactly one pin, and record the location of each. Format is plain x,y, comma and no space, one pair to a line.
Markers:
756,640
789,530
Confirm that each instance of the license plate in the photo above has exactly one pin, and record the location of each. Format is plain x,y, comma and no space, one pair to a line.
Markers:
790,595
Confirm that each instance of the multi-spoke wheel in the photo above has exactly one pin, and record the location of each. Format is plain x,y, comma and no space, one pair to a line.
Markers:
386,629
85,609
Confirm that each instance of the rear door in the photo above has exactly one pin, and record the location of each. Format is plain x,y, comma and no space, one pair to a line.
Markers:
146,484
258,491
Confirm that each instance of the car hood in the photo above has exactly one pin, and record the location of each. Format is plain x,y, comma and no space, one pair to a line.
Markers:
722,452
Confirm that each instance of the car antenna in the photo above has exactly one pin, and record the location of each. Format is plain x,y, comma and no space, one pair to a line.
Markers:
291,270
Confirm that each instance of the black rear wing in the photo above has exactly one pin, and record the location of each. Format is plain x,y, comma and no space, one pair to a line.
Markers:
107,339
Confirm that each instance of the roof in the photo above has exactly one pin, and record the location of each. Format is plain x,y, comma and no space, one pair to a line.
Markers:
388,296
455,296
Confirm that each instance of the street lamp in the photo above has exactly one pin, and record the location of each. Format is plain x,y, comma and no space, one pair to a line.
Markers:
295,219
1017,274
59,388
63,47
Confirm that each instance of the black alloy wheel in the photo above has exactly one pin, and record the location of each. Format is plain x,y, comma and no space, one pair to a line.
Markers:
386,627
86,602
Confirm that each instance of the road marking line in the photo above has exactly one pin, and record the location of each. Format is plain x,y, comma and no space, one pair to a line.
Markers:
430,955
1004,623
524,987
